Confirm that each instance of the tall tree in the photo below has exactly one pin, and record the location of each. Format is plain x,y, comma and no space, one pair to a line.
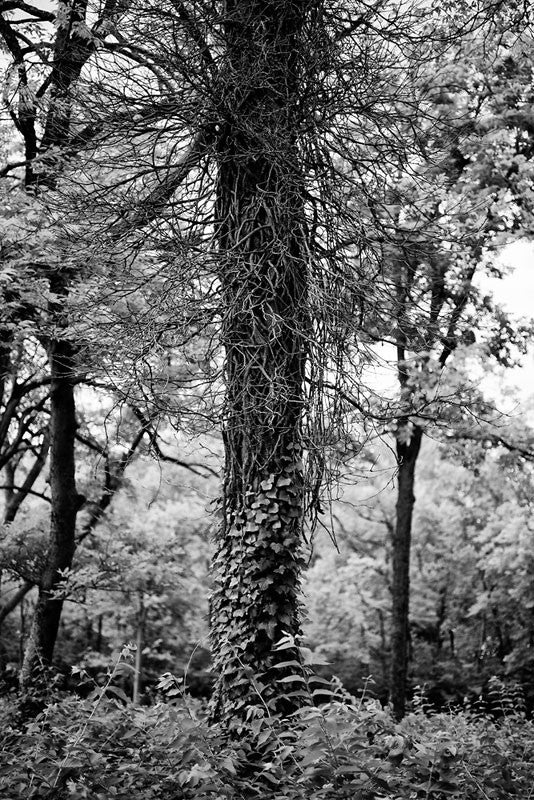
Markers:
443,229
264,243
258,208
254,134
44,143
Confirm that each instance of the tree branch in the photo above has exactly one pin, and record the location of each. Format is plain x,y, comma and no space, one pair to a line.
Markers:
148,428
112,483
28,491
26,488
92,445
494,439
19,595
151,207
196,36
14,165
450,340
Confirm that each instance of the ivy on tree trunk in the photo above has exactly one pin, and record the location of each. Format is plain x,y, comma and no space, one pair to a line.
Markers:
263,272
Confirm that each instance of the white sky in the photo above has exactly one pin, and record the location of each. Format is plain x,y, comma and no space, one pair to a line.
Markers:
515,292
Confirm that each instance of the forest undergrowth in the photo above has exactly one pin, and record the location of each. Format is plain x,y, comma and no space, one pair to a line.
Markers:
103,746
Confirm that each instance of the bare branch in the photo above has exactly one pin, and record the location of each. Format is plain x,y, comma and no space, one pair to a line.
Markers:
17,598
9,167
26,488
40,495
92,444
151,207
196,35
112,483
149,429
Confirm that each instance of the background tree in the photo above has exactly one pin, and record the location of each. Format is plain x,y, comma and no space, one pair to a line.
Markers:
444,216
45,103
470,524
69,52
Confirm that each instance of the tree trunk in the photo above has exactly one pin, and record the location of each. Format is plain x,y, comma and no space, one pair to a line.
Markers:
139,644
65,503
263,272
408,445
73,44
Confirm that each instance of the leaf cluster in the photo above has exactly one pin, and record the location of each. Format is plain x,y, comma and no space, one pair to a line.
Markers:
101,748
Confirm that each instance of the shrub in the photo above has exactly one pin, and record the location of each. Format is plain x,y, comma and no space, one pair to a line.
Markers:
103,747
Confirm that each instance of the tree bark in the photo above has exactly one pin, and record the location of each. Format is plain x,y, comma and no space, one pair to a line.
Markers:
263,272
408,445
139,644
65,504
71,50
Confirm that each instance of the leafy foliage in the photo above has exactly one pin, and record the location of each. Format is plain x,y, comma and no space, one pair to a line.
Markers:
470,575
259,559
184,206
104,747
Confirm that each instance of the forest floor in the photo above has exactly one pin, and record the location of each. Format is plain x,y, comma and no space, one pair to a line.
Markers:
104,747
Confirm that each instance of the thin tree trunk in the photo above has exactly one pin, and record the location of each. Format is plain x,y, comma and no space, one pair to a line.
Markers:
13,501
73,45
9,490
98,646
65,504
22,628
408,445
263,273
139,639
9,472
383,648
7,607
